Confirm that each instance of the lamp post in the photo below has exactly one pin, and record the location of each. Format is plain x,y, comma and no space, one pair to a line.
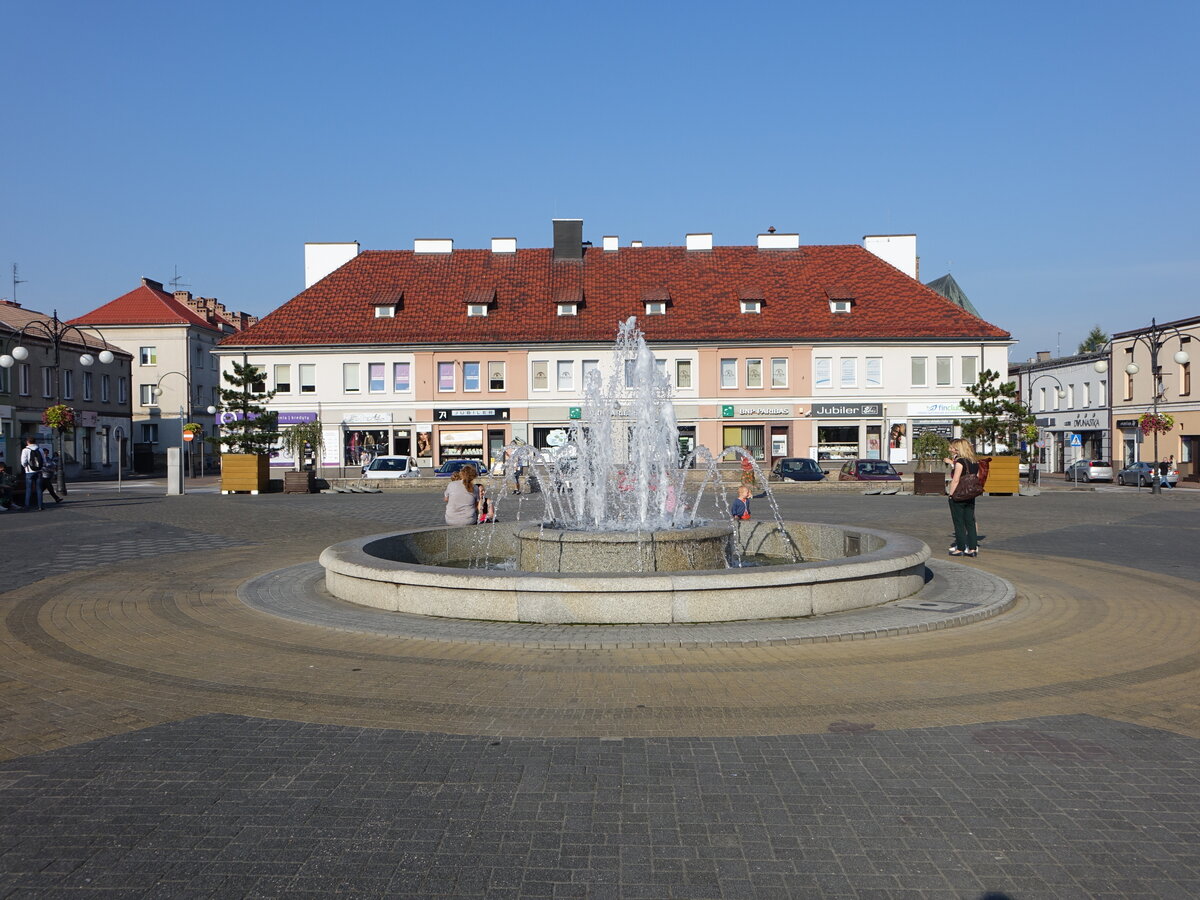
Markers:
55,332
185,409
1153,339
1029,402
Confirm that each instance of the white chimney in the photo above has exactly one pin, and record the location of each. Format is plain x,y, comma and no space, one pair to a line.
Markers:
635,243
433,245
898,249
699,241
771,241
611,242
504,245
322,258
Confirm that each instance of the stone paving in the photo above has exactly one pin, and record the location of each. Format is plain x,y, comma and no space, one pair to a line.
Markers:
163,738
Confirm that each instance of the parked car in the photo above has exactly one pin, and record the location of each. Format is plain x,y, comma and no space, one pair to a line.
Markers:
1141,473
391,467
798,469
1089,470
450,466
868,470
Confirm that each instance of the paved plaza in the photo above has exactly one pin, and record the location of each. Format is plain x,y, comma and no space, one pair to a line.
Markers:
162,736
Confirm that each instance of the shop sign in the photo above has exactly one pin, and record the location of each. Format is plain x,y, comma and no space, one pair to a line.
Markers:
288,418
940,408
492,414
846,410
1082,423
760,410
458,438
945,429
1127,423
727,411
575,412
89,418
360,417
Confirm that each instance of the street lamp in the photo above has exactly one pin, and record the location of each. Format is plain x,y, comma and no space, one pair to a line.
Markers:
55,332
185,410
1153,338
1029,403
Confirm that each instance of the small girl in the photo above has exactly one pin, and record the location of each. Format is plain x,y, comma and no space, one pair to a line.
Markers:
740,508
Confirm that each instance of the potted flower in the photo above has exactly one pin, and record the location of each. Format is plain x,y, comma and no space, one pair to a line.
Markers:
303,443
930,449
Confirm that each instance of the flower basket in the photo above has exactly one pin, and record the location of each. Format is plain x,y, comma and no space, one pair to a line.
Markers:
1156,423
60,417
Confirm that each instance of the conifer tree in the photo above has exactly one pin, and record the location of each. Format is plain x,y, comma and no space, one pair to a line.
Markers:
1003,418
1096,340
247,426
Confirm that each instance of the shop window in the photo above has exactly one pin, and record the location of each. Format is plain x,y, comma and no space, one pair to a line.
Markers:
460,445
471,376
729,373
350,383
874,371
148,356
779,372
683,373
837,442
919,376
283,379
823,372
541,374
401,377
376,378
970,369
566,375
849,372
943,370
445,372
754,373
363,445
495,376
748,436
589,366
308,378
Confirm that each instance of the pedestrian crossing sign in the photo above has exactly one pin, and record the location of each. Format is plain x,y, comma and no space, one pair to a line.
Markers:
1075,441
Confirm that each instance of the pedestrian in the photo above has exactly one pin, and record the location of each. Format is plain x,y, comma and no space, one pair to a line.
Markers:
1164,469
32,463
962,510
740,508
8,489
461,498
49,471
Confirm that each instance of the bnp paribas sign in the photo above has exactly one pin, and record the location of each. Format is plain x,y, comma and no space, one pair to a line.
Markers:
847,410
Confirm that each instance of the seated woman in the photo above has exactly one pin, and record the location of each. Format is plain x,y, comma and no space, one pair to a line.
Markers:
462,497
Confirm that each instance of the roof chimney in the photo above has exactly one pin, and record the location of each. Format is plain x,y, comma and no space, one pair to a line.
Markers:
898,249
635,243
322,258
568,239
1043,355
433,245
504,245
184,297
699,241
611,242
773,241
151,283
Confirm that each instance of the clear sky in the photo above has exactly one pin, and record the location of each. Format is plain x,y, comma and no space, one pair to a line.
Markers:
1045,153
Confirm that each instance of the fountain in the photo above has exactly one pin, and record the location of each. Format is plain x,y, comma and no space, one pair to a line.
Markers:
625,537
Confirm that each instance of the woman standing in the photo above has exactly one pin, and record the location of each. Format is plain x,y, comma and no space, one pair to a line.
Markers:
962,512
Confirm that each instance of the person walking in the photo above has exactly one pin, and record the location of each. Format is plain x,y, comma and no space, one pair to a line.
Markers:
49,471
962,511
32,463
8,489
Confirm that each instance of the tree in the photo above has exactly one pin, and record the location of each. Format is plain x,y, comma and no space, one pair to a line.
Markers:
1096,340
307,437
247,426
1002,417
930,449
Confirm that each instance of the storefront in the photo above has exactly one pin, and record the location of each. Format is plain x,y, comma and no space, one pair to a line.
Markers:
365,436
762,430
1075,436
468,433
848,430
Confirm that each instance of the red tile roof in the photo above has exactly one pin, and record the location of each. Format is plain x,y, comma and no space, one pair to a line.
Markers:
144,305
704,288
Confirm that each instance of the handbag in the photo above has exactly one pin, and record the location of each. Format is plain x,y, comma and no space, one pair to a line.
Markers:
969,486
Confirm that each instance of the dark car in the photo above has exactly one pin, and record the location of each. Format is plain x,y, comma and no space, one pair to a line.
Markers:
1141,473
798,469
868,470
450,466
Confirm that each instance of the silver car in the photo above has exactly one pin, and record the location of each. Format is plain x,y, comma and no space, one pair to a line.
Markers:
1089,470
1141,473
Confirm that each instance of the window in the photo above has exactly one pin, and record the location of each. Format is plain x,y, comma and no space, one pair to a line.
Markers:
476,309
376,378
1042,400
839,306
495,376
283,379
590,366
1057,399
385,312
350,382
943,370
308,378
259,384
630,372
4,388
568,309
874,371
754,375
823,372
1070,396
68,391
683,373
849,372
729,373
23,380
970,369
779,372
471,376
146,394
919,377
122,389
1128,387
445,373
541,375
656,308
149,432
401,377
47,381
1087,393
1185,380
105,388
566,375
751,306
148,356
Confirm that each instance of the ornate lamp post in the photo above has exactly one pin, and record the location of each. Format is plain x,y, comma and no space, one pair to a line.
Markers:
56,333
1153,339
1029,400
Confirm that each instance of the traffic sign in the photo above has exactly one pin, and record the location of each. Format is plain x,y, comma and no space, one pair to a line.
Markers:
1075,441
189,436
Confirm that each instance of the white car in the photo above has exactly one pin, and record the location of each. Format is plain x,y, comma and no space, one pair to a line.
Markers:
391,467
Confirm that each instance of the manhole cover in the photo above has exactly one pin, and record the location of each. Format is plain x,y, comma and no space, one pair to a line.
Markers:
943,606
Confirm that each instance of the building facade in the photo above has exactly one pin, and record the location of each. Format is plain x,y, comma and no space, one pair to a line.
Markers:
824,351
1070,400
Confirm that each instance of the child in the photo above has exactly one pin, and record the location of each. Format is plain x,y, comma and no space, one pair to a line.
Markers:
740,508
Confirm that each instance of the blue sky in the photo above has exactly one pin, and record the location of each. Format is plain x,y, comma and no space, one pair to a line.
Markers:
1044,153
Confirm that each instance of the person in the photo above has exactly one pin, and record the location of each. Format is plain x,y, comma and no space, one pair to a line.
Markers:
32,463
740,508
1164,469
517,471
962,512
462,498
8,489
49,470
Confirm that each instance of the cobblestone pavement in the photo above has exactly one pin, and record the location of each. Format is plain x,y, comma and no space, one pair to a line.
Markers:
164,739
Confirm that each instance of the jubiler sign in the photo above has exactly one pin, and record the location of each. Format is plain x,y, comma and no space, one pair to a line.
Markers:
847,410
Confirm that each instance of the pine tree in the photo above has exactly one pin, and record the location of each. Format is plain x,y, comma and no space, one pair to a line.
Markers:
1096,340
247,425
1003,418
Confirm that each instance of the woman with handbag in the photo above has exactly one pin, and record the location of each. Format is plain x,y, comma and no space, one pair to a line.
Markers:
965,486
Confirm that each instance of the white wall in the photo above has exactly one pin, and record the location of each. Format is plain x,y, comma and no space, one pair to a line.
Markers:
898,249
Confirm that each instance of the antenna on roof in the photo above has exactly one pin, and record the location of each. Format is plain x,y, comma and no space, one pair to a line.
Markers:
176,282
16,281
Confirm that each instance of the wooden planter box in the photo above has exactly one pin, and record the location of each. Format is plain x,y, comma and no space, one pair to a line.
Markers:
298,482
929,483
244,472
1003,475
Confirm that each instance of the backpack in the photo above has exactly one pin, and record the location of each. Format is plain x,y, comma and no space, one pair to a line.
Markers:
984,462
35,460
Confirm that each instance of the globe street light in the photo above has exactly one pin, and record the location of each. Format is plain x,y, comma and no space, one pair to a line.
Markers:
1153,338
55,332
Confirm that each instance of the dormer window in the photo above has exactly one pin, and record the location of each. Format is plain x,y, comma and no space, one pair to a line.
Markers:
841,298
656,308
568,309
385,311
656,300
479,299
839,306
752,306
477,309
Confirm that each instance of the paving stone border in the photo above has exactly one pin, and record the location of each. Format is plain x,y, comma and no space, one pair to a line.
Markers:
955,595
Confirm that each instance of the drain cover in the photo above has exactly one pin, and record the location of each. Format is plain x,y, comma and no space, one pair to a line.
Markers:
946,606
